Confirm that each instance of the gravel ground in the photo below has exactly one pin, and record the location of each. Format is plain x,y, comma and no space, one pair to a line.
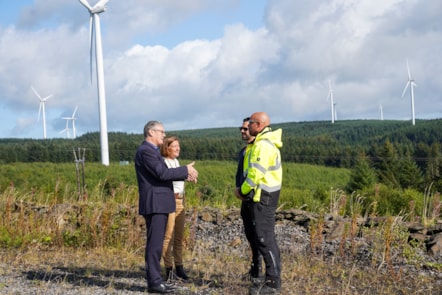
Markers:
219,238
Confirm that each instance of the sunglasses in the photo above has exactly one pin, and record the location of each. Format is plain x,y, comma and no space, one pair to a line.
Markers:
243,129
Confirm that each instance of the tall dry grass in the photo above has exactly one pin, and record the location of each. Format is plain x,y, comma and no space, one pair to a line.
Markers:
94,235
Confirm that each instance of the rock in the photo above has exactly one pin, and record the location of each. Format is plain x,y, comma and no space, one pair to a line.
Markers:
434,245
336,231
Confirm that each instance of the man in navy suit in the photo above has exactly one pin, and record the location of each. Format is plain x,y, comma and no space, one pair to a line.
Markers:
156,198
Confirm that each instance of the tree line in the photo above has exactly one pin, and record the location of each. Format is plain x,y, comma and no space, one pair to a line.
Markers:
398,153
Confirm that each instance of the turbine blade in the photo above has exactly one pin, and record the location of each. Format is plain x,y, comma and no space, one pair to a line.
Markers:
408,69
100,4
73,114
35,91
86,4
405,89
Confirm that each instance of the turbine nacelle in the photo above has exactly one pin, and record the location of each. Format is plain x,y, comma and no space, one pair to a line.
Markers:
97,8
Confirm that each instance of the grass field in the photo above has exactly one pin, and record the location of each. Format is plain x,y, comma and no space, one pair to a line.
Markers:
47,223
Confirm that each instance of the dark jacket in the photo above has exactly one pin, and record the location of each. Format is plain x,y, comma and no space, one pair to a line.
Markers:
239,178
155,180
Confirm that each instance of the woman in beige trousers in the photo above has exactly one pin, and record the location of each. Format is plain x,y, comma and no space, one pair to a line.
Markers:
174,236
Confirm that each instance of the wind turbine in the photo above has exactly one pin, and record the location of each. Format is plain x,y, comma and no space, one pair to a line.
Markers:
381,112
95,28
68,134
42,110
412,84
332,104
72,119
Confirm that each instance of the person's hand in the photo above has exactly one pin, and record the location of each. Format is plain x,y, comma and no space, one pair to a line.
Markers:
192,173
238,194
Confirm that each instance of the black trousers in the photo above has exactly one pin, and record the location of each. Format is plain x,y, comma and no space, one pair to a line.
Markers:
263,216
155,230
249,230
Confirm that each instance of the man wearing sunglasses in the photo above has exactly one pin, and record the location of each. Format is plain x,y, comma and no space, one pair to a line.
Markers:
254,273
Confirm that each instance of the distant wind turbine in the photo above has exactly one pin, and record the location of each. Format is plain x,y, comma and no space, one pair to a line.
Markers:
42,110
381,112
67,130
412,84
72,119
95,27
332,104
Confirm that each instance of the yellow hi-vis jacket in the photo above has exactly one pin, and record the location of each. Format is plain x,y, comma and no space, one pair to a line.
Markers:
262,165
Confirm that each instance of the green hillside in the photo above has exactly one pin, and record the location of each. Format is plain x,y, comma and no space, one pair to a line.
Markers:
320,142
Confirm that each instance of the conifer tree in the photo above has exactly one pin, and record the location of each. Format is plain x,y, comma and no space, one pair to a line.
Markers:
362,175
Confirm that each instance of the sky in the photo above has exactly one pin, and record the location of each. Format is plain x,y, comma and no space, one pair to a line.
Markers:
196,64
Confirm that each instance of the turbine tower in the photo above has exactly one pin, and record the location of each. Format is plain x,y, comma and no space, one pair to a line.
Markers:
332,104
72,119
42,110
95,28
412,84
381,112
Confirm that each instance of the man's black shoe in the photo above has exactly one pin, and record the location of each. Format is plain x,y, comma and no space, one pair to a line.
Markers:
161,289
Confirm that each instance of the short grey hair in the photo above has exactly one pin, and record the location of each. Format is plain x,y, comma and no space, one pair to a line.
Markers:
150,125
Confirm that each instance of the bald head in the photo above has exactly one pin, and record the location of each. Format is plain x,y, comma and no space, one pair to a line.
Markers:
258,121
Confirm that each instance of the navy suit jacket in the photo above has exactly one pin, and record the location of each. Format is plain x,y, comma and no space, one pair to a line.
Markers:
155,180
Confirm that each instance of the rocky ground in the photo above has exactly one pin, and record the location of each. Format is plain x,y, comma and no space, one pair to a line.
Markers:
219,232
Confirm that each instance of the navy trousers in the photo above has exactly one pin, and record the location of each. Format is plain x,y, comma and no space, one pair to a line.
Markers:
155,230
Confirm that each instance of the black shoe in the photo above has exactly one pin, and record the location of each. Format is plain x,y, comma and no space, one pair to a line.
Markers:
263,289
161,289
181,273
266,289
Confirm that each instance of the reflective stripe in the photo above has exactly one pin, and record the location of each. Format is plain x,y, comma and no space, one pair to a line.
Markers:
270,189
250,182
271,168
258,167
276,166
275,265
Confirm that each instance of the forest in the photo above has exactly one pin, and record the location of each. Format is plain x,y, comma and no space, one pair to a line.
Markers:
395,153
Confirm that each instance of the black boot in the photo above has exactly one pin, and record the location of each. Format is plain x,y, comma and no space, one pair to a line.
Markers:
180,273
169,274
269,286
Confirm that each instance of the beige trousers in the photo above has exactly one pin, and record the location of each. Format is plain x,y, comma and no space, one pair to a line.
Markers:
174,237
